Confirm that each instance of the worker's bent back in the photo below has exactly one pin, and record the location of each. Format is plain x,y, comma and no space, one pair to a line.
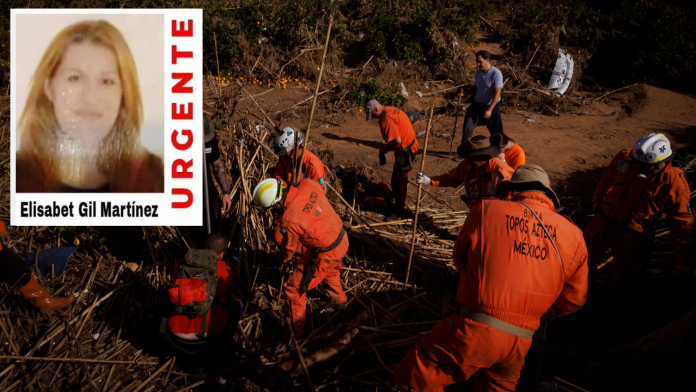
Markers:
509,268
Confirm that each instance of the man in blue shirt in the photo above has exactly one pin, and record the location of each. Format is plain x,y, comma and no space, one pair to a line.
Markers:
485,110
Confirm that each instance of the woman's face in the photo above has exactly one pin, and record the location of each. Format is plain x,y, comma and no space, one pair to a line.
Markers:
86,92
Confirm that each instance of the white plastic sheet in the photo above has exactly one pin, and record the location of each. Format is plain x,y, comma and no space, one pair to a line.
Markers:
562,73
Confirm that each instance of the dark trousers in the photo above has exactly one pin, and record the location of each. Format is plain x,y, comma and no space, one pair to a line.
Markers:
630,251
474,118
399,183
13,270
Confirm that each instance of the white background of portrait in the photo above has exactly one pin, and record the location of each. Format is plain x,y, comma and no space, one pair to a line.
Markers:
144,35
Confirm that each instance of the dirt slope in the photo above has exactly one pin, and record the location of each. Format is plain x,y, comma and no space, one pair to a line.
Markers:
573,149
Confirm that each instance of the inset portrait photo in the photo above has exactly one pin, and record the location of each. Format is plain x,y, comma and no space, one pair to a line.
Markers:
90,112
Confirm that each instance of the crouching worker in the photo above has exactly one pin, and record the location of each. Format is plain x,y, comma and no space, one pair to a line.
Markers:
305,218
16,273
284,147
205,314
518,261
510,152
637,189
480,171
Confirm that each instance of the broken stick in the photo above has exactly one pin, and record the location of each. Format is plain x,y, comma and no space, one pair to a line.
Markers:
420,186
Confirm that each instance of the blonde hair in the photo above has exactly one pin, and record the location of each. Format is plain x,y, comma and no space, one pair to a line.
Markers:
38,125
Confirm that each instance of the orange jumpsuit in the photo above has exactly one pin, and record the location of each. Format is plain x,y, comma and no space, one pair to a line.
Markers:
514,157
480,180
628,207
394,123
308,220
312,168
516,278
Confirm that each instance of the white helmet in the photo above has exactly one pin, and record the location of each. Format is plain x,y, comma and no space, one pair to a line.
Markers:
652,149
268,192
285,141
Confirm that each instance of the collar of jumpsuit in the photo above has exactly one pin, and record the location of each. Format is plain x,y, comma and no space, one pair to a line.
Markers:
292,194
533,197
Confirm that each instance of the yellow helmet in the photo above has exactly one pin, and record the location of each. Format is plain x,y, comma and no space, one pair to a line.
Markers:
268,192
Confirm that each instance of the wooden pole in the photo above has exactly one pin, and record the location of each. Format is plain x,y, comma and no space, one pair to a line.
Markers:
456,117
415,217
218,66
298,165
299,355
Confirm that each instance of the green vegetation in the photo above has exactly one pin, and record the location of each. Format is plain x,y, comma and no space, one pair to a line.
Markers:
649,41
417,31
631,41
574,23
359,93
625,41
83,234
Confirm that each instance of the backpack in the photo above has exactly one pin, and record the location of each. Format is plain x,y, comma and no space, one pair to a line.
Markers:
194,289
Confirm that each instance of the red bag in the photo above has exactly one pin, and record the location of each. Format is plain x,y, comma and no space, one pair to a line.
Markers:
187,291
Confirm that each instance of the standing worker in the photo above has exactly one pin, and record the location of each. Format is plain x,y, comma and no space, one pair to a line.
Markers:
510,152
305,220
213,165
485,110
513,270
397,131
16,273
636,190
284,147
481,171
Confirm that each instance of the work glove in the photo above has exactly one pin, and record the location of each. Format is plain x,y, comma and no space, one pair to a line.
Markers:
421,178
382,159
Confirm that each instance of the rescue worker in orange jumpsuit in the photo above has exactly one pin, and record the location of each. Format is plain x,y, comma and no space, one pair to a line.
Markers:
513,270
510,152
636,190
15,272
305,219
480,171
397,131
284,147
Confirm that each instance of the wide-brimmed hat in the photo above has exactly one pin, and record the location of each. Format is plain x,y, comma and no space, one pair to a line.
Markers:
478,146
208,129
527,174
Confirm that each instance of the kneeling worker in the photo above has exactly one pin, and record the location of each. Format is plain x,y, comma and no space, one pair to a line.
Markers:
16,273
305,218
638,187
205,313
480,171
510,152
284,147
513,269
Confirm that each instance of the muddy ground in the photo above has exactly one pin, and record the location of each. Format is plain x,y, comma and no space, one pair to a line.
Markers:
574,149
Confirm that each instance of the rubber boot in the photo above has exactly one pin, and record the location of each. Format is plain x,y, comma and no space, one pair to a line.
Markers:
37,295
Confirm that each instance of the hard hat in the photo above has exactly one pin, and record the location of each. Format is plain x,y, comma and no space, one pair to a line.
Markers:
652,149
285,141
268,192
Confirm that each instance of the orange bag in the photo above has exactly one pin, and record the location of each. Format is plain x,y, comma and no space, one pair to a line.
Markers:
187,291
